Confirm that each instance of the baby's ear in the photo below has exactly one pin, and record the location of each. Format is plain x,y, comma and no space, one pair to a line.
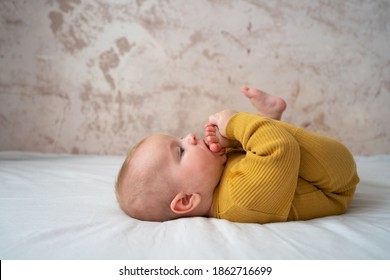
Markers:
184,203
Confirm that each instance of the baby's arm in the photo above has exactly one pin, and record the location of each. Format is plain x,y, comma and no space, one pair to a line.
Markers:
264,180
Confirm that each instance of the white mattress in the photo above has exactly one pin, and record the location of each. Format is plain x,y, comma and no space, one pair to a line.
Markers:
63,207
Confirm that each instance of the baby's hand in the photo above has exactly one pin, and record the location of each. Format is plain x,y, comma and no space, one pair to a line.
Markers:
215,140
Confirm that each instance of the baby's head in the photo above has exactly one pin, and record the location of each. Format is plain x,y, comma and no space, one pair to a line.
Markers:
165,177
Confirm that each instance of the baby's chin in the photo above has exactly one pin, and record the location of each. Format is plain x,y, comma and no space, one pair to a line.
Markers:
222,155
224,158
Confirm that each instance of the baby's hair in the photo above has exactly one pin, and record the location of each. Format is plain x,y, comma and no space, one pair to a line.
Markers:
123,171
142,185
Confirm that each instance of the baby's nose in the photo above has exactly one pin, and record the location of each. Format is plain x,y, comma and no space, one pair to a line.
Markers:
192,139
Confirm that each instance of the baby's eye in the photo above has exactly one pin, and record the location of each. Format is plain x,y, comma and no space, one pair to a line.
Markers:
181,151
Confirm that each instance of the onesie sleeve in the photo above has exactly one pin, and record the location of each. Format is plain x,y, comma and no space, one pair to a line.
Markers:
261,185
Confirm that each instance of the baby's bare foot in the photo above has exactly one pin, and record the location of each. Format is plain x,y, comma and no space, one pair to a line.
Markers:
217,143
266,105
213,138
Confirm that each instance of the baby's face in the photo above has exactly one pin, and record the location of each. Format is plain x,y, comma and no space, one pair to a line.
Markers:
186,162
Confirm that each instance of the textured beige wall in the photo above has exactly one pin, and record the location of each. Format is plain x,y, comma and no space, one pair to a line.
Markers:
91,77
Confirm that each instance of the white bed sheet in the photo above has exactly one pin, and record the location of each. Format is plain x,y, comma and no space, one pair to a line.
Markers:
63,207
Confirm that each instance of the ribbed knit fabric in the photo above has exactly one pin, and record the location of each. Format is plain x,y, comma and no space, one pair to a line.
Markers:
282,173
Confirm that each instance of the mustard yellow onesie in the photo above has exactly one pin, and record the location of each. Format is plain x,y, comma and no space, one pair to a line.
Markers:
282,173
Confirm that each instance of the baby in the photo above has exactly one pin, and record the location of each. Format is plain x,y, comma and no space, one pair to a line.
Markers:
249,168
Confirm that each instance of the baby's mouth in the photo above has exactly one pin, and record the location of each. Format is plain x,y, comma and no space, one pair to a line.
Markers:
221,152
207,144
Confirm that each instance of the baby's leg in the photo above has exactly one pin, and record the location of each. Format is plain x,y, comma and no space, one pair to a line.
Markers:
327,176
266,105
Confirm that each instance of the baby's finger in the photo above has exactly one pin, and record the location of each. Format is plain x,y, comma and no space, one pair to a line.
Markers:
213,119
